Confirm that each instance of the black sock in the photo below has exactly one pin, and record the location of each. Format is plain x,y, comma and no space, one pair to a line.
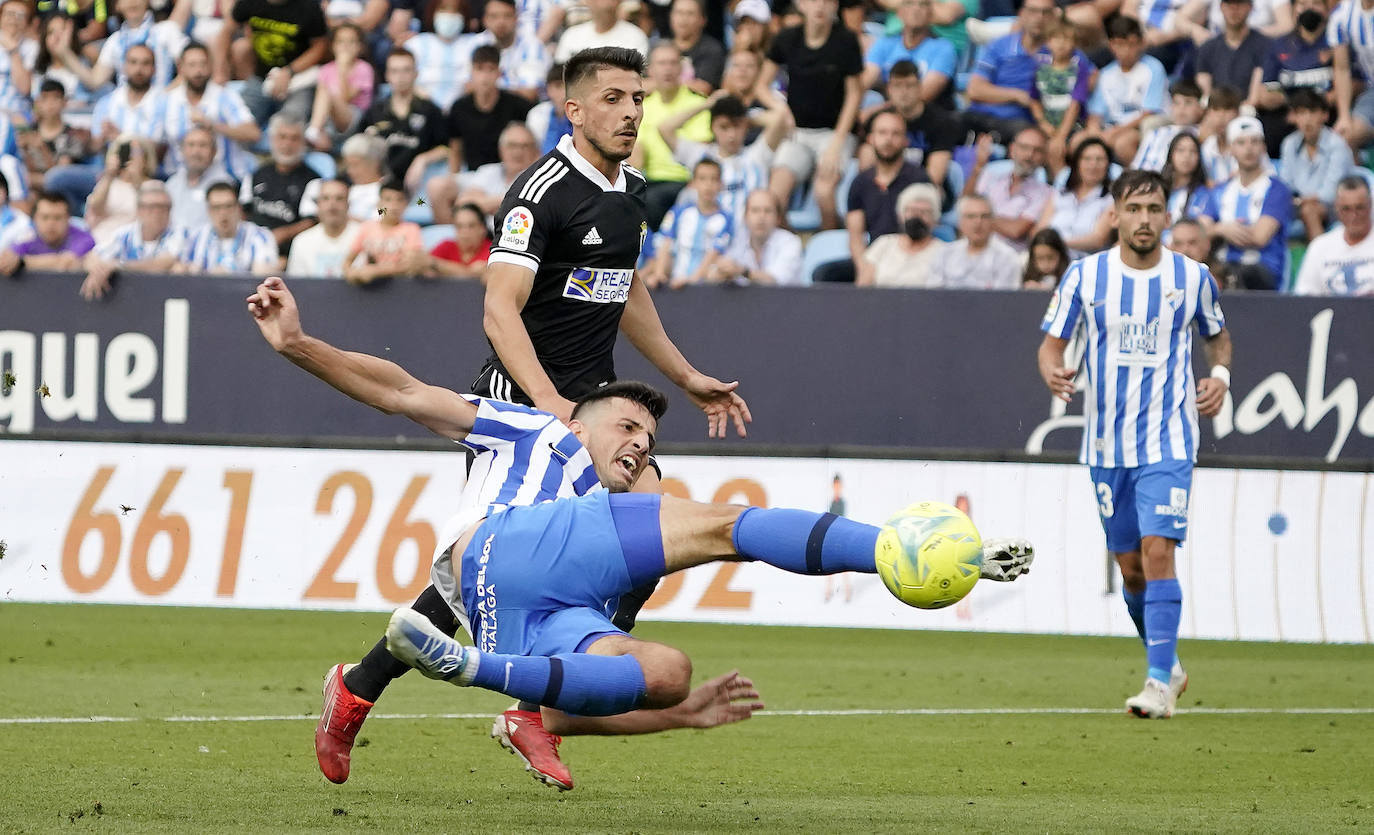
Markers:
627,608
379,668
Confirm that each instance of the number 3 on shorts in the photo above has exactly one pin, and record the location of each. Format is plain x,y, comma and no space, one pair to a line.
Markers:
1104,500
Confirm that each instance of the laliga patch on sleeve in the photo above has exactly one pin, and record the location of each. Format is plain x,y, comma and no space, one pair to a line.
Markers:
516,229
1053,309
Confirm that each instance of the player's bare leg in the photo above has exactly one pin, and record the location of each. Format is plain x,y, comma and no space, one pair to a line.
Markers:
1166,679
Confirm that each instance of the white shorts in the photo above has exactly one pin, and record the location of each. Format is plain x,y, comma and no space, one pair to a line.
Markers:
800,153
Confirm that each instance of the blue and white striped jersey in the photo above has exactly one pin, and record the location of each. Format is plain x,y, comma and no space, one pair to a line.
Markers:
165,39
1153,152
1159,14
1266,196
1351,24
444,67
524,64
219,104
692,235
1141,402
143,119
128,244
739,175
251,246
531,15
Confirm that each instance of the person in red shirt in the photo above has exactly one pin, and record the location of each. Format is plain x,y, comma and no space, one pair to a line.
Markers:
466,255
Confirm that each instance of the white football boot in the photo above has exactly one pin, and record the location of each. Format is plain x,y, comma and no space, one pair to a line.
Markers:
1156,701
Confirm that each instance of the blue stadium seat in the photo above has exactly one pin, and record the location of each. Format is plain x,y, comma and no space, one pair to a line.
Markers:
435,235
322,164
824,248
804,215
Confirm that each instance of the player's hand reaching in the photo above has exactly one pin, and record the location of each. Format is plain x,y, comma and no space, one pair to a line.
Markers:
724,699
1211,393
274,309
1060,382
720,403
1005,558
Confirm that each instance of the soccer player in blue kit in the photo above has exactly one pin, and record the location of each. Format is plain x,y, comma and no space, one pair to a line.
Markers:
1138,302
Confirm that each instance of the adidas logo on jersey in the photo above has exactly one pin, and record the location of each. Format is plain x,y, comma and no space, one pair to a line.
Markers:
592,239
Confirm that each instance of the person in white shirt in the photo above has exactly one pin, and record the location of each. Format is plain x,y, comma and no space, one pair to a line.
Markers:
1341,262
322,250
364,161
979,260
762,253
604,29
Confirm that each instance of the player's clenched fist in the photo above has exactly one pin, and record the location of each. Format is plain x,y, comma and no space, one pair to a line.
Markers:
274,309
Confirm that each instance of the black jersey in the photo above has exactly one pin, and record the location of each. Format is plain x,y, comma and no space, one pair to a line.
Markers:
581,236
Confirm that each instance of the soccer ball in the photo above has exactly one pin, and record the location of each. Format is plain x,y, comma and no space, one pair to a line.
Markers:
929,555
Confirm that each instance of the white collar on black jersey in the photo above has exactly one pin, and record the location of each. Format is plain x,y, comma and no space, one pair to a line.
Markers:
586,169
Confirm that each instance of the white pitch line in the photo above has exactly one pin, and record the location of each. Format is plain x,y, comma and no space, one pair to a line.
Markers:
915,711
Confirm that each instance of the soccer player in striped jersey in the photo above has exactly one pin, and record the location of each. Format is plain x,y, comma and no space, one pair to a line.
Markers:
1138,303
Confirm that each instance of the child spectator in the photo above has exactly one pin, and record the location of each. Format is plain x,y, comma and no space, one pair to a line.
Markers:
343,92
1048,261
1223,106
694,235
1314,159
1129,90
388,245
1059,97
1185,109
466,255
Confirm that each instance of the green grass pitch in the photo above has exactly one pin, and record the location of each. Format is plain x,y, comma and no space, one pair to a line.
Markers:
1206,770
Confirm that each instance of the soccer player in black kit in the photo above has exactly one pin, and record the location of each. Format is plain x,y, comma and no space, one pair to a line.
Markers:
560,284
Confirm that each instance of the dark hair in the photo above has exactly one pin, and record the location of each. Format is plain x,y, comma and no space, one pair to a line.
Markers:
1186,221
1196,180
1075,179
469,206
52,85
151,53
510,3
1305,98
486,54
190,45
324,181
903,69
389,183
216,188
729,107
587,63
707,162
1052,239
399,52
554,75
1224,98
1353,182
1136,181
882,111
1121,26
46,196
653,400
1185,87
4,181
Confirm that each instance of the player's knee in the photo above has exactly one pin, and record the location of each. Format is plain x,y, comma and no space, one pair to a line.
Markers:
667,676
1157,556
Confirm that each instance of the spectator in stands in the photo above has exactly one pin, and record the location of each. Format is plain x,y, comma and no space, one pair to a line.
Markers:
1237,57
343,91
604,28
1341,262
1352,44
1059,95
1188,237
132,108
55,244
524,60
322,250
1301,60
741,79
978,260
364,166
705,56
1129,90
413,127
1082,213
1187,181
387,245
1272,18
280,196
824,67
164,40
743,169
442,53
1251,212
1313,161
693,235
1017,195
872,204
15,224
931,133
1047,262
52,142
760,251
1185,112
466,255
487,186
228,243
198,102
753,21
11,166
292,33
476,120
114,201
189,184
999,87
548,119
904,258
57,33
934,57
651,155
17,63
1223,106
151,243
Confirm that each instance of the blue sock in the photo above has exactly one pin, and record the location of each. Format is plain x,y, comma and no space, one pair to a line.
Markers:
803,542
1163,608
587,685
1135,607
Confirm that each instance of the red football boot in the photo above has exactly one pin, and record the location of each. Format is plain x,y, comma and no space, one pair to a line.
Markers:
522,733
340,718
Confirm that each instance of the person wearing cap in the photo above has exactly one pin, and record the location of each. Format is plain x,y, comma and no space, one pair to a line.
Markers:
752,18
1251,211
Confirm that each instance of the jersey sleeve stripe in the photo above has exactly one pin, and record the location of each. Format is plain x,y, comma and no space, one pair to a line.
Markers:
536,185
525,190
529,262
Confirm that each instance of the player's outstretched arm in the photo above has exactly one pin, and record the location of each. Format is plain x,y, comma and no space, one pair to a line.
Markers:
717,399
724,699
381,384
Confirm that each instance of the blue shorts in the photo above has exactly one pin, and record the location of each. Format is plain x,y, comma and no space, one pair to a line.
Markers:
1135,502
545,579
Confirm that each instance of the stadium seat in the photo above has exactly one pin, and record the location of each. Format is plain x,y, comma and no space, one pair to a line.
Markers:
824,248
435,235
417,213
804,215
322,164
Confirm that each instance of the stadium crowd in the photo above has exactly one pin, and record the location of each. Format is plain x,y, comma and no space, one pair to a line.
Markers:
919,143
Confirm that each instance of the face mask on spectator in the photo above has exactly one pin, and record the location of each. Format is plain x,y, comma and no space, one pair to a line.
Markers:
916,228
1311,20
448,25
